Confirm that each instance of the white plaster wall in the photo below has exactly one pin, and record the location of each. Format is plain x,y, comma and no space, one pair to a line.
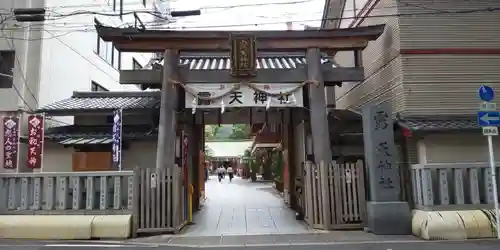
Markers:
455,148
141,153
59,159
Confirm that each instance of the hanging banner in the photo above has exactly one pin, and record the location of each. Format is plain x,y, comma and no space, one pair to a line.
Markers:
35,140
10,142
244,96
117,139
185,152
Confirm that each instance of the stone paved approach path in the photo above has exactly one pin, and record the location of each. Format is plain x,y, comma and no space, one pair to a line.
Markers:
242,207
316,238
243,213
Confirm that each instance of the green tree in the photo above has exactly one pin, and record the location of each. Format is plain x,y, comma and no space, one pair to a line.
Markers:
208,151
240,131
211,131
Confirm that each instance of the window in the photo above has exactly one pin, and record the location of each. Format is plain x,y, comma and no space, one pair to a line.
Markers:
102,48
117,59
6,69
96,87
108,53
135,64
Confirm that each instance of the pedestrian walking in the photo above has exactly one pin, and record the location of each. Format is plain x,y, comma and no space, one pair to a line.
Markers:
230,172
221,171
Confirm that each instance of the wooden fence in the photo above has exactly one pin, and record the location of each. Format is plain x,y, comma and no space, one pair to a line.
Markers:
160,205
335,195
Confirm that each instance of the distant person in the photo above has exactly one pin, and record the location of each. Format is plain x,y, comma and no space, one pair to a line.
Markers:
221,171
230,172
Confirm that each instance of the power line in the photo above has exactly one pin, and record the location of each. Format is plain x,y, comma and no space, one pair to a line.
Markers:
159,15
209,7
86,27
16,89
426,13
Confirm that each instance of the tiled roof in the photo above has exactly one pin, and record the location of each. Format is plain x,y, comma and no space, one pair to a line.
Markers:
435,124
420,123
86,141
208,62
106,100
98,132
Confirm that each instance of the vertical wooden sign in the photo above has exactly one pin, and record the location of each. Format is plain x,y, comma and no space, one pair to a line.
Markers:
243,56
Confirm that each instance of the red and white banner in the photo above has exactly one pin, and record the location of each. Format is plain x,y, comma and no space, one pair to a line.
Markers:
11,142
35,140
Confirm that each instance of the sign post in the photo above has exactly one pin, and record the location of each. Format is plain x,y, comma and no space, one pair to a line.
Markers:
489,119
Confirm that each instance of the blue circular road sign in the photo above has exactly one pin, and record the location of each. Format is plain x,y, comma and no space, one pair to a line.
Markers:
486,93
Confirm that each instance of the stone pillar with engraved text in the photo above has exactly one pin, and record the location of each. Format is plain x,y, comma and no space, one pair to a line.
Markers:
386,213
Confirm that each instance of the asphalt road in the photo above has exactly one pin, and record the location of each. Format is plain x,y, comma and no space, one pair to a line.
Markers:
422,245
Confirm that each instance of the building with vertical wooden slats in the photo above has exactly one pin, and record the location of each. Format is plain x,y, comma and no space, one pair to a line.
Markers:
429,64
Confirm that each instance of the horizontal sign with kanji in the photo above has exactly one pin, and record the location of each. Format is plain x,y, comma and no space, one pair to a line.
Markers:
244,96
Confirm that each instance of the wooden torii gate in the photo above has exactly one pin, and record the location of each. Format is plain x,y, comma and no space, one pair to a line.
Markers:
243,47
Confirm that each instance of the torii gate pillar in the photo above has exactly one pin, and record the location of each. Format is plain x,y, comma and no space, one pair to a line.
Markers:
165,156
318,112
319,123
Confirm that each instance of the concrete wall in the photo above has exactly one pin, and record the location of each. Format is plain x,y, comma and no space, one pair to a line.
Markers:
57,57
72,61
424,64
455,148
27,45
381,60
447,57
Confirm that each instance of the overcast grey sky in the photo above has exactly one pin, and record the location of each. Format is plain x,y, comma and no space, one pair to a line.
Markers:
222,18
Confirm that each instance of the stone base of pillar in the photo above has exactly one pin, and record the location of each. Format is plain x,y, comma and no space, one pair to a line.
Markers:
389,218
